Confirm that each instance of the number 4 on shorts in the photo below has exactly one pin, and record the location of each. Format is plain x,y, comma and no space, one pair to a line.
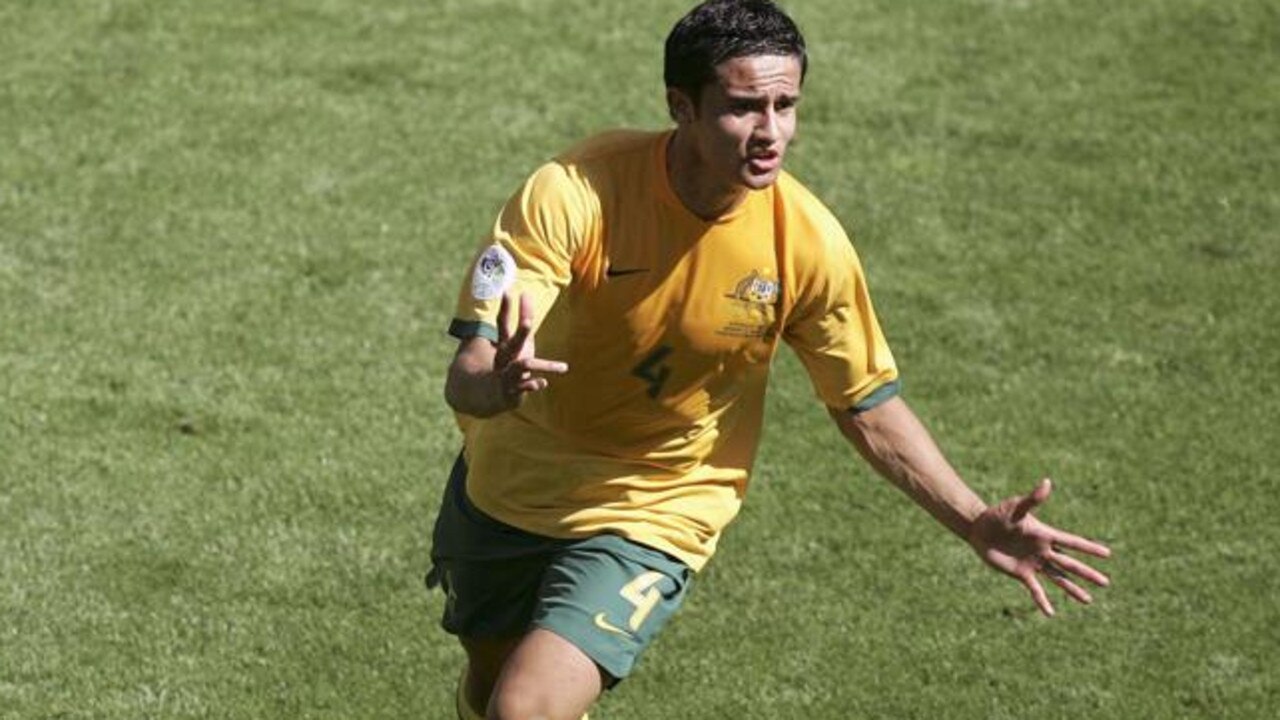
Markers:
642,593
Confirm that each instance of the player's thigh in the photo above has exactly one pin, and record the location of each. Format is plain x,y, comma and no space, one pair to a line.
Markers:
546,676
489,607
610,597
485,658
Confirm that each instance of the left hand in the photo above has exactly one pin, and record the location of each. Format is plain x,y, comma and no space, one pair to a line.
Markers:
1010,539
516,366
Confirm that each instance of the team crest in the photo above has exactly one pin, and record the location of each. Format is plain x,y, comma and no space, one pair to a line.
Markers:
757,290
756,297
494,272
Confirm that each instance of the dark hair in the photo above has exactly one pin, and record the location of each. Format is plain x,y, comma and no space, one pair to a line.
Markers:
720,30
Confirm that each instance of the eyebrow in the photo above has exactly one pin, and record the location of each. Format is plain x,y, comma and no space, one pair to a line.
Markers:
751,97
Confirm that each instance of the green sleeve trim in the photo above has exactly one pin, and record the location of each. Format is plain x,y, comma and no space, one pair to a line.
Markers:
881,394
467,329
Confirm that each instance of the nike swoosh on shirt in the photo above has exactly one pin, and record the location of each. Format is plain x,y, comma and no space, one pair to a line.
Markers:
606,625
610,272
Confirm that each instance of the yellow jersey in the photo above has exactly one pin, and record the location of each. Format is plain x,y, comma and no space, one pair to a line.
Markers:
668,324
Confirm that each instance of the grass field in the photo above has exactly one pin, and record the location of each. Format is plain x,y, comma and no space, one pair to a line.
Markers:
230,237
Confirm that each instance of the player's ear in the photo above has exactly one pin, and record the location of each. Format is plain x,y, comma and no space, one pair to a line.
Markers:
680,106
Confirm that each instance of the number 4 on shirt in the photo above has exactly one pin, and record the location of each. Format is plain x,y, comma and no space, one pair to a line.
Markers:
652,371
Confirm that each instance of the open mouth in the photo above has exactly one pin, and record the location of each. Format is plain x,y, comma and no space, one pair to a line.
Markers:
764,162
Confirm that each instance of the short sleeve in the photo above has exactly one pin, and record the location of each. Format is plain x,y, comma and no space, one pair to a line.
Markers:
834,331
530,251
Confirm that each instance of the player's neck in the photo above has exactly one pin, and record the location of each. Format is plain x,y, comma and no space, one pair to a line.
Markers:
695,187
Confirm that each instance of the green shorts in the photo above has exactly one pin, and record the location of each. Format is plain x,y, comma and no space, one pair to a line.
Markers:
605,594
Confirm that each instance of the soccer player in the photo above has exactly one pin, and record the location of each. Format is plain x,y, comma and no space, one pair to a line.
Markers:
659,273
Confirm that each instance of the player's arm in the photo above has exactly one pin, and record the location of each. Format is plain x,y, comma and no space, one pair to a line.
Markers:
1006,535
894,441
487,378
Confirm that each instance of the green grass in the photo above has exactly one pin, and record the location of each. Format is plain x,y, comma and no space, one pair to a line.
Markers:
230,238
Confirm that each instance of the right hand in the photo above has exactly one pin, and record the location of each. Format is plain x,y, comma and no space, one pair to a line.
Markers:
516,366
1010,539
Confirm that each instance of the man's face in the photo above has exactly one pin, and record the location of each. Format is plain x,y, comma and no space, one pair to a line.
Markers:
744,121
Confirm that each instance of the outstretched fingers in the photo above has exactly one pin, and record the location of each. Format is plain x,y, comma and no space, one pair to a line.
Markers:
1059,578
1075,567
522,369
1011,539
526,311
513,344
1038,595
524,319
518,343
528,375
504,319
519,371
1063,539
524,325
525,368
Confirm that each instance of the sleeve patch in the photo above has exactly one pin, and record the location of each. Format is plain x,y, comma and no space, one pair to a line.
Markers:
493,274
